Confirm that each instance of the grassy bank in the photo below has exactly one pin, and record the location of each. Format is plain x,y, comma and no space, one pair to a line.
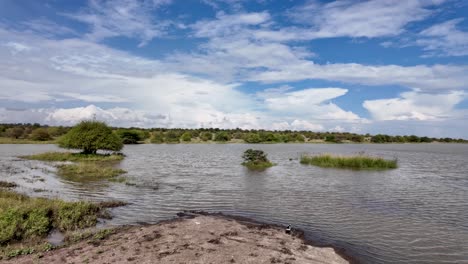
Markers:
85,171
6,140
74,157
22,217
359,162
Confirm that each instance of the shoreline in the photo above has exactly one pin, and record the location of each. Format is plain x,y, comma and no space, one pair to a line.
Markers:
197,237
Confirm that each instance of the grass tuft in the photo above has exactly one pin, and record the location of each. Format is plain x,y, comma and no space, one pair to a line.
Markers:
23,217
85,171
358,162
258,165
70,156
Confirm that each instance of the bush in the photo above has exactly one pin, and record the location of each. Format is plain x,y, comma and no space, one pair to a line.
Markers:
205,136
158,137
40,134
130,136
252,138
187,136
90,136
222,137
256,159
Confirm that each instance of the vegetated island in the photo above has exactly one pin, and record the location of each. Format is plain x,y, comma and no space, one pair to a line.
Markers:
89,137
36,133
356,162
256,160
196,239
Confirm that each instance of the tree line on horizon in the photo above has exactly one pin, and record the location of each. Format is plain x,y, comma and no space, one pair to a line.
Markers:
133,135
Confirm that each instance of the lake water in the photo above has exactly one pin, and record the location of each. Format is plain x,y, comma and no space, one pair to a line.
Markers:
417,213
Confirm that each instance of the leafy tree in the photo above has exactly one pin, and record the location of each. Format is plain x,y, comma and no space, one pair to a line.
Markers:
330,138
187,136
222,136
40,134
171,137
90,136
255,156
205,136
252,138
158,137
129,136
15,132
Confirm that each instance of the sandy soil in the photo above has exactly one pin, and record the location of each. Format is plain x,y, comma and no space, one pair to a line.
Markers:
202,239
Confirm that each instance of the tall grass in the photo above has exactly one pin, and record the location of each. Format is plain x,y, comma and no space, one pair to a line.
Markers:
22,217
69,156
358,162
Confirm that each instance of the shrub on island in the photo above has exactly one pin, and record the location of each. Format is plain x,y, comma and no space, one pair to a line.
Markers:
256,159
358,162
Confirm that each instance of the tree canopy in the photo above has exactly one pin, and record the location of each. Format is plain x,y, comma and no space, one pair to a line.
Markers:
91,136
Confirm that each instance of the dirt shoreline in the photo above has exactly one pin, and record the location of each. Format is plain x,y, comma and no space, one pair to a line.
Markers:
194,238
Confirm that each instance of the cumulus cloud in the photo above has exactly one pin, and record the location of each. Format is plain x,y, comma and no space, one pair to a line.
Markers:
417,106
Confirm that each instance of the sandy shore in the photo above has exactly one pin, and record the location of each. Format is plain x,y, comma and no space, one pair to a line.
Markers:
201,239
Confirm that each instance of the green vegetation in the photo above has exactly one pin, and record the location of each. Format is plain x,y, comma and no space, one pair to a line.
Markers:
85,171
91,136
24,133
359,162
256,159
22,217
69,156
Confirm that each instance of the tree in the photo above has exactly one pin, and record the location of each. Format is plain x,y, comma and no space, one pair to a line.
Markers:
90,136
252,138
130,136
222,136
187,136
15,132
205,136
172,137
158,137
255,156
40,134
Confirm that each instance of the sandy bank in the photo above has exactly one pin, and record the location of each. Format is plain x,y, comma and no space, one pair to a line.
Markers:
202,239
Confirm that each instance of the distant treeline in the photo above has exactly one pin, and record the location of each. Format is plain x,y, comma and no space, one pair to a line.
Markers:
37,132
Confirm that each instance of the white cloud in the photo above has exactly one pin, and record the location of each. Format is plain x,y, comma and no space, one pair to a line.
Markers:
444,39
133,19
361,18
417,106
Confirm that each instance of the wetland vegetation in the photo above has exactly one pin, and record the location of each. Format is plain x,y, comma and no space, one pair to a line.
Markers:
357,162
256,159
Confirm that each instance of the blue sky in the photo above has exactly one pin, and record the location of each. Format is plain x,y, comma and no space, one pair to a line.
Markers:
387,66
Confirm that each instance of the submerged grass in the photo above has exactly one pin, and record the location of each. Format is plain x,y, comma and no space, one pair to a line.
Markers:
258,165
5,184
22,217
86,171
70,156
358,162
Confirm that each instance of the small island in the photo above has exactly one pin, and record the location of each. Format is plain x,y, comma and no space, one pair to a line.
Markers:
256,159
357,162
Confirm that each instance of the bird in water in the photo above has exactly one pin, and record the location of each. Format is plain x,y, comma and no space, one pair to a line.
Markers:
288,229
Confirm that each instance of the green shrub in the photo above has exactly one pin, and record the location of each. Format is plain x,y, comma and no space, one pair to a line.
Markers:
222,136
90,136
187,136
40,134
205,136
157,138
256,159
69,156
130,136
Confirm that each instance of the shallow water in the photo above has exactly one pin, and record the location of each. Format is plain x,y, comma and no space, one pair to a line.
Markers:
417,213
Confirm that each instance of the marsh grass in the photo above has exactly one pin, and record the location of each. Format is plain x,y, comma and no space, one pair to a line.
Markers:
74,157
22,217
7,140
358,162
88,171
258,165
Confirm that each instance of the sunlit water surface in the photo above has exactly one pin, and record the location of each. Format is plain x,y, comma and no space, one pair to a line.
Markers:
417,213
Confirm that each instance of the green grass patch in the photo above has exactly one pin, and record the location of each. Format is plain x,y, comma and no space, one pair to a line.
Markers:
258,165
86,171
7,140
70,156
358,162
22,217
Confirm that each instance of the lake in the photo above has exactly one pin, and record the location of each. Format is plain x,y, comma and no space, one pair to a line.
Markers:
417,213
